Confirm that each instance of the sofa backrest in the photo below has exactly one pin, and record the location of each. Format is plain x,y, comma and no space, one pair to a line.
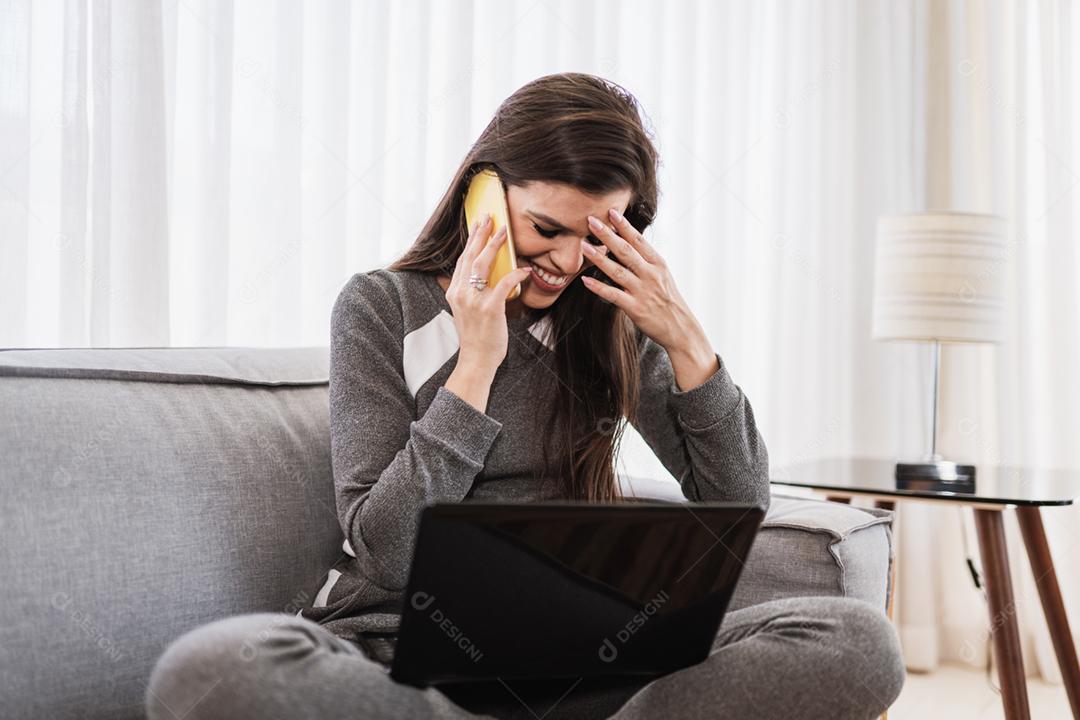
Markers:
144,492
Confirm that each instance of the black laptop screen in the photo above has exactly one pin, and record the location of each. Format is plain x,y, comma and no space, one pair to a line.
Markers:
567,589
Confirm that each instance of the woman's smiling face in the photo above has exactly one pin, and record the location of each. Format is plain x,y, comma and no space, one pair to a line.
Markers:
548,222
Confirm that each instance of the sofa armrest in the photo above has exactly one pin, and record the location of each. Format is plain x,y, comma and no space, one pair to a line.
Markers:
817,547
806,547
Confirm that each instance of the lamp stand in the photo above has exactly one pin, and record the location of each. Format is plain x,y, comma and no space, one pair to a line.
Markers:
935,473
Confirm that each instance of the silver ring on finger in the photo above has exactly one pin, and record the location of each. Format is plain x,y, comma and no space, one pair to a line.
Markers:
478,282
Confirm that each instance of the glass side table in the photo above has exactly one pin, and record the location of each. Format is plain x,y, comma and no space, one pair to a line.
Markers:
996,488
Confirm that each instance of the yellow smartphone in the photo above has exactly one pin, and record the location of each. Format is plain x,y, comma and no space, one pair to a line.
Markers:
486,194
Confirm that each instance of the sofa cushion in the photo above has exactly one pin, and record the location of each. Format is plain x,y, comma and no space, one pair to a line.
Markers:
251,366
147,491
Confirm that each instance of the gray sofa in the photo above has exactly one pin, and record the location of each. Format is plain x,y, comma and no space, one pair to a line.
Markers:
147,491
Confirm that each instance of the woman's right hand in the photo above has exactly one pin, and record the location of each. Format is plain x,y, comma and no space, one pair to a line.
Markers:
480,317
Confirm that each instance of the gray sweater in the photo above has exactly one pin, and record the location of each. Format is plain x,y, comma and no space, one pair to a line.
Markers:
400,440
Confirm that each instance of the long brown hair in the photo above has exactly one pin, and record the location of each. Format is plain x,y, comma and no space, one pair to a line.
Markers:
587,132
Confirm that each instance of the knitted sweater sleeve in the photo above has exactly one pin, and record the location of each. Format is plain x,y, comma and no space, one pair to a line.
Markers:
387,462
705,436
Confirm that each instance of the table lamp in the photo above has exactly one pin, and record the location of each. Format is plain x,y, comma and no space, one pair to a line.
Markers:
939,276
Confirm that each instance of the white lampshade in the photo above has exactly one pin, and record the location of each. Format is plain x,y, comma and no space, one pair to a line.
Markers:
940,276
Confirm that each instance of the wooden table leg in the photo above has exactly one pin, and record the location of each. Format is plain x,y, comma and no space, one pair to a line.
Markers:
1003,627
1042,566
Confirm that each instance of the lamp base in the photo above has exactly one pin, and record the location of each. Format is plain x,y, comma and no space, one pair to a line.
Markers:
938,475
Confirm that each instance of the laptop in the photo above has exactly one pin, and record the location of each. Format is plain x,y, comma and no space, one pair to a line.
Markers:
568,589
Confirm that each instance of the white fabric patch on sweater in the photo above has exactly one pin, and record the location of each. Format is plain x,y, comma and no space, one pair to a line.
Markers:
541,330
320,599
427,348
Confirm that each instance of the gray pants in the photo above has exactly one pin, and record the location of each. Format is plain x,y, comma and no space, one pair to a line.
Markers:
814,657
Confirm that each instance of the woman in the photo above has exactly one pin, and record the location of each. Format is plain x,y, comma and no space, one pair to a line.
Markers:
441,390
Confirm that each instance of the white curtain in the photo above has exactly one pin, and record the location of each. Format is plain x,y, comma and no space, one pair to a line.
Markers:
211,173
1002,112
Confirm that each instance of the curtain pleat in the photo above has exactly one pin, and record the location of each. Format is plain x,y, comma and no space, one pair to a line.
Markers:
74,166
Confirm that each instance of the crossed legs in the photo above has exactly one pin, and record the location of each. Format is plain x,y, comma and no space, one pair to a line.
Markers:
813,657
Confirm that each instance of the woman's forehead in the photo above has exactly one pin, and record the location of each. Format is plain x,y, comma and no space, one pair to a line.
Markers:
561,201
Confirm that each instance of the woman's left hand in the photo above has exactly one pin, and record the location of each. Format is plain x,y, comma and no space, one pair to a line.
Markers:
647,292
